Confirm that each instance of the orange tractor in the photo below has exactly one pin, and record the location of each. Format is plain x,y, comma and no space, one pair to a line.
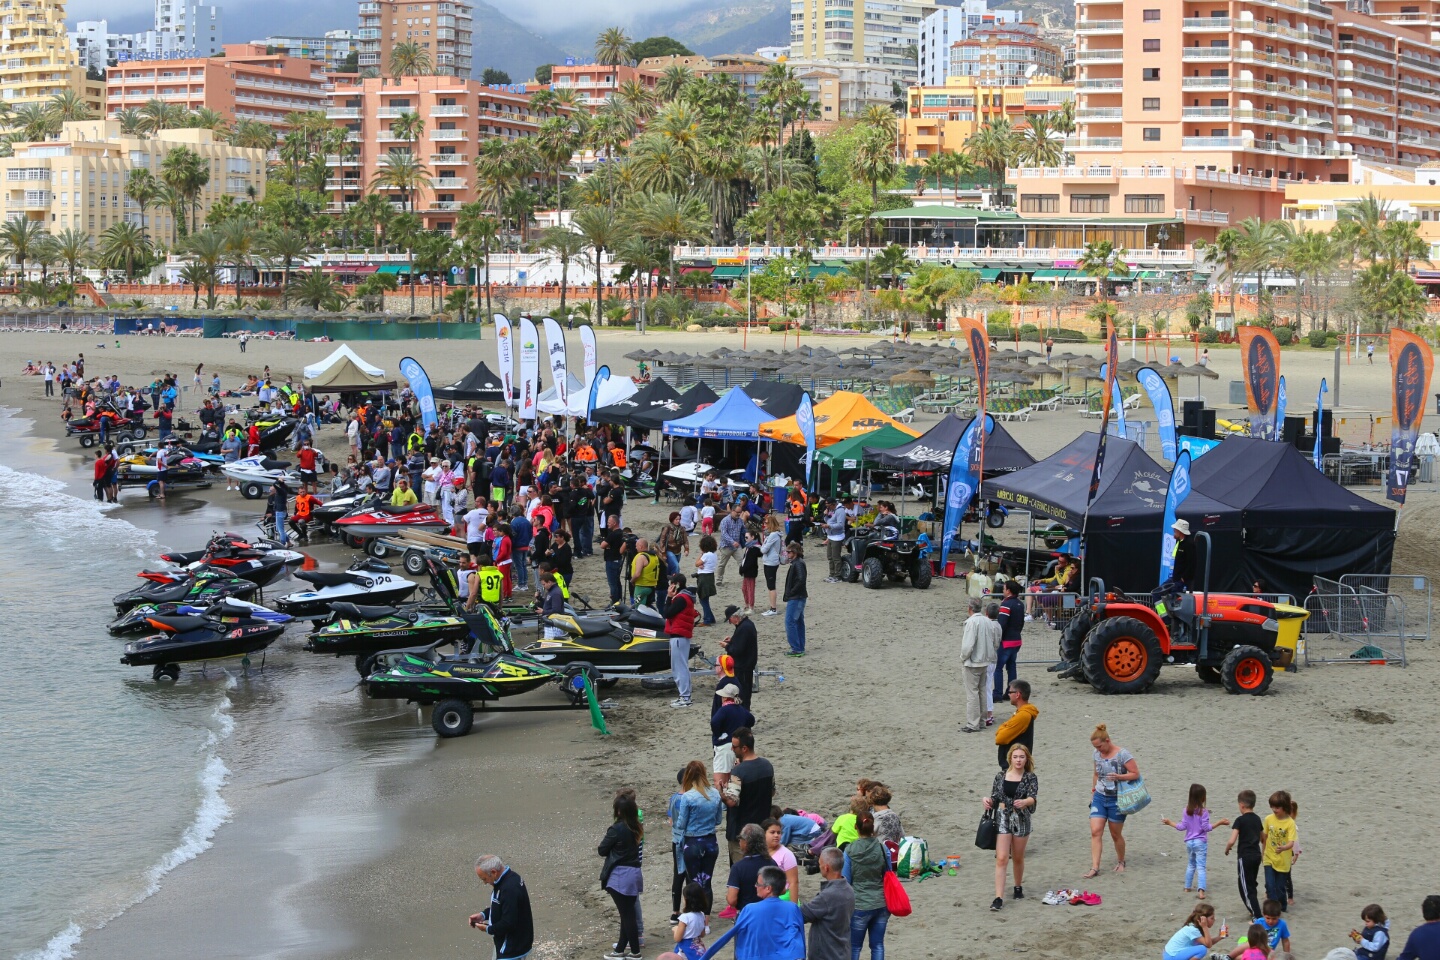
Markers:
1118,644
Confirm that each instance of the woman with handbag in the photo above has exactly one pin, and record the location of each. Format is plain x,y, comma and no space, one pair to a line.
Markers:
866,863
698,815
1114,765
621,877
1012,801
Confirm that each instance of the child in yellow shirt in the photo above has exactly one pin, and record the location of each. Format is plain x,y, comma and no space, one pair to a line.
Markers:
1280,837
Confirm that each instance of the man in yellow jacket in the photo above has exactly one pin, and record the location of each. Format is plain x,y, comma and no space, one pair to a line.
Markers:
1020,728
402,496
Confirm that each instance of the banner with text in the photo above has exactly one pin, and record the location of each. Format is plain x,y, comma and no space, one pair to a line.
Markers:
1411,364
505,357
529,368
1260,360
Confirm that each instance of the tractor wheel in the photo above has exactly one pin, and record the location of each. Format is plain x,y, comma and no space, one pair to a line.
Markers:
1121,655
920,579
1072,641
1207,674
452,718
872,574
1247,669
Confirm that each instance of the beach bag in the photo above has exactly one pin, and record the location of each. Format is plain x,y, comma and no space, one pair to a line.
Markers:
1131,796
897,901
913,857
819,844
988,832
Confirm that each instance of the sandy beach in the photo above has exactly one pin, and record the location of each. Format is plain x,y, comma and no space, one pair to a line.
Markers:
354,830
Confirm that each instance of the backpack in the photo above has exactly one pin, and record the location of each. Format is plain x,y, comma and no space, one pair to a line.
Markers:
913,857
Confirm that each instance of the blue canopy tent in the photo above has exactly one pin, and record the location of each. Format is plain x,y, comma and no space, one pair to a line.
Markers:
734,417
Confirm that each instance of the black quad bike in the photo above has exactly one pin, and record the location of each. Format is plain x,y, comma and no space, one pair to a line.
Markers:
874,556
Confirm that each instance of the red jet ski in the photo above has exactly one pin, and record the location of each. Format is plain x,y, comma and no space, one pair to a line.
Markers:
381,520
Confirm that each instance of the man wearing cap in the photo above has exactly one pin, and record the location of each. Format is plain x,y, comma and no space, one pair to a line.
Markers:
742,644
1183,573
731,715
679,613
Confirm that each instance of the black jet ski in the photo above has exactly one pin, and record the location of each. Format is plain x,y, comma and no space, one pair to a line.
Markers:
189,639
135,620
362,631
260,569
341,501
486,671
225,548
200,588
367,582
632,644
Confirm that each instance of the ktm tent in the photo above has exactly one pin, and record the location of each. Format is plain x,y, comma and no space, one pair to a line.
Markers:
840,416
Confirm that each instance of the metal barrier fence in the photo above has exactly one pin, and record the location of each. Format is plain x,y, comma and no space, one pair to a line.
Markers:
1353,625
1413,589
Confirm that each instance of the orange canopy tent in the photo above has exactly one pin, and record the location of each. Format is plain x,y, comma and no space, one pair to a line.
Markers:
840,416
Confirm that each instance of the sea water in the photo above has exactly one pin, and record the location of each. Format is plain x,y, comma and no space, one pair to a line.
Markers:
108,781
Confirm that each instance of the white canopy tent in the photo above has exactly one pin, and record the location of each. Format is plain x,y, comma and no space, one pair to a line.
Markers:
611,391
314,370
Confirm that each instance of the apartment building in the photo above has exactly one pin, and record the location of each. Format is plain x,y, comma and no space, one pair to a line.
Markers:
97,47
948,26
458,114
187,28
842,90
444,29
246,83
332,49
1006,55
1408,194
595,84
940,119
36,58
78,181
877,32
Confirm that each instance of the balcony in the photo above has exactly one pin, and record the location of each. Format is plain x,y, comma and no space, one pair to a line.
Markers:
443,206
1211,217
1094,172
390,136
448,135
450,110
449,183
1204,24
1099,26
31,200
392,113
1348,71
1348,99
1093,114
1203,113
449,158
1374,51
1206,83
1077,144
1213,143
1100,56
342,113
1205,53
1107,85
1423,63
331,185
369,8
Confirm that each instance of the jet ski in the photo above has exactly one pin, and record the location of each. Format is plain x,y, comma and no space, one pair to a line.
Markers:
201,588
366,581
137,470
273,431
260,569
488,670
135,619
225,548
189,638
378,520
631,645
346,498
256,474
362,631
118,426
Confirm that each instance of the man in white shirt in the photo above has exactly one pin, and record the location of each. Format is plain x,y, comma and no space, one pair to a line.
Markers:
49,379
352,433
977,656
475,526
689,516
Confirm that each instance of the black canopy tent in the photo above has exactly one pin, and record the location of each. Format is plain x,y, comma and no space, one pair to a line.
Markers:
933,449
655,395
1123,531
477,386
653,418
778,399
1296,522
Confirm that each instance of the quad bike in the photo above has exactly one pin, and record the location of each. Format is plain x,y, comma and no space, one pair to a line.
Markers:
1118,643
874,556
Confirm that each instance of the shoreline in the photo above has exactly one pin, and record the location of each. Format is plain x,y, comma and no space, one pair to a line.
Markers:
368,853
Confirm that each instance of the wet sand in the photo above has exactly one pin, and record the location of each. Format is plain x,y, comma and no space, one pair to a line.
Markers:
367,851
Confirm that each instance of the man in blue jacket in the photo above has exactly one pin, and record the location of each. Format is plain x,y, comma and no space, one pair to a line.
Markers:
508,919
769,928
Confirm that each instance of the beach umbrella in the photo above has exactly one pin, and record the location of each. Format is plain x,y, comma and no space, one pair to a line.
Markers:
1042,369
1128,367
1198,370
912,378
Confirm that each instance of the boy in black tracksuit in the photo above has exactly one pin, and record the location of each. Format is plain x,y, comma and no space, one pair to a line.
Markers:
1247,832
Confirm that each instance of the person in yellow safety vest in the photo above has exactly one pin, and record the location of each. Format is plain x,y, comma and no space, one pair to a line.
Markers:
545,569
485,585
416,441
644,573
402,496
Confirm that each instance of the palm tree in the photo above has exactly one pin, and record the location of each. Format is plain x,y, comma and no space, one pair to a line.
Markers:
410,60
936,164
874,164
208,119
121,245
68,105
958,166
318,289
242,246
563,244
555,144
1041,144
19,240
1224,253
993,147
207,249
132,124
673,80
1261,246
612,47
603,229
402,172
284,245
1101,260
405,231
479,231
186,173
252,133
143,188
73,247
670,219
195,275
157,115
35,121
409,126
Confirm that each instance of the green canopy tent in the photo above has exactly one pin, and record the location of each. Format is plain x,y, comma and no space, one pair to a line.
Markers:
849,455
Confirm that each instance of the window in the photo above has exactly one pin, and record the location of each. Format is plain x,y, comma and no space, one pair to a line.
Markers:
1040,203
1150,103
1151,134
1144,203
1152,16
1150,73
1151,46
1090,203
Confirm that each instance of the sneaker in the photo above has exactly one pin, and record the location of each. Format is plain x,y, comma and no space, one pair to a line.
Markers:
1028,618
997,904
832,579
729,913
680,702
989,721
770,613
796,653
616,955
1019,893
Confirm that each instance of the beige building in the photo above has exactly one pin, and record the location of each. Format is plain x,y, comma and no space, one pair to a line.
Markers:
940,119
878,32
445,30
37,60
843,90
78,181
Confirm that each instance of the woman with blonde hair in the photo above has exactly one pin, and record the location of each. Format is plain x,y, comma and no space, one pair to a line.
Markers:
698,815
771,545
1113,765
1012,797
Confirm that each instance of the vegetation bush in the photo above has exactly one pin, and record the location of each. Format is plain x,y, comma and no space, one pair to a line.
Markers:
1033,334
1209,335
1284,336
1316,337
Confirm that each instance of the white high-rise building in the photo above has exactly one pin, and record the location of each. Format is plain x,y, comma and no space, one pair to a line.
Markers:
877,32
950,25
193,28
98,47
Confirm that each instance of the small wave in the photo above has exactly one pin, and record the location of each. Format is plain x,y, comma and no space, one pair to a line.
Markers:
64,518
60,947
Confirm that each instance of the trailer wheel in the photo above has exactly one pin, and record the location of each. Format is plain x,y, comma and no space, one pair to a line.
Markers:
452,718
377,549
1247,669
167,672
365,663
995,519
252,490
1122,655
414,562
139,431
573,688
87,440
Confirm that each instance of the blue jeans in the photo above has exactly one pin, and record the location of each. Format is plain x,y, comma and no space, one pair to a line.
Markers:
1276,887
1196,851
584,534
1104,807
1004,664
672,563
795,629
522,567
708,617
281,536
1189,953
612,576
872,922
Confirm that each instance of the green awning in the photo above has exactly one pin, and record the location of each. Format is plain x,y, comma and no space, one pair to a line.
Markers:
727,273
850,454
1050,274
824,270
989,275
395,268
1152,275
